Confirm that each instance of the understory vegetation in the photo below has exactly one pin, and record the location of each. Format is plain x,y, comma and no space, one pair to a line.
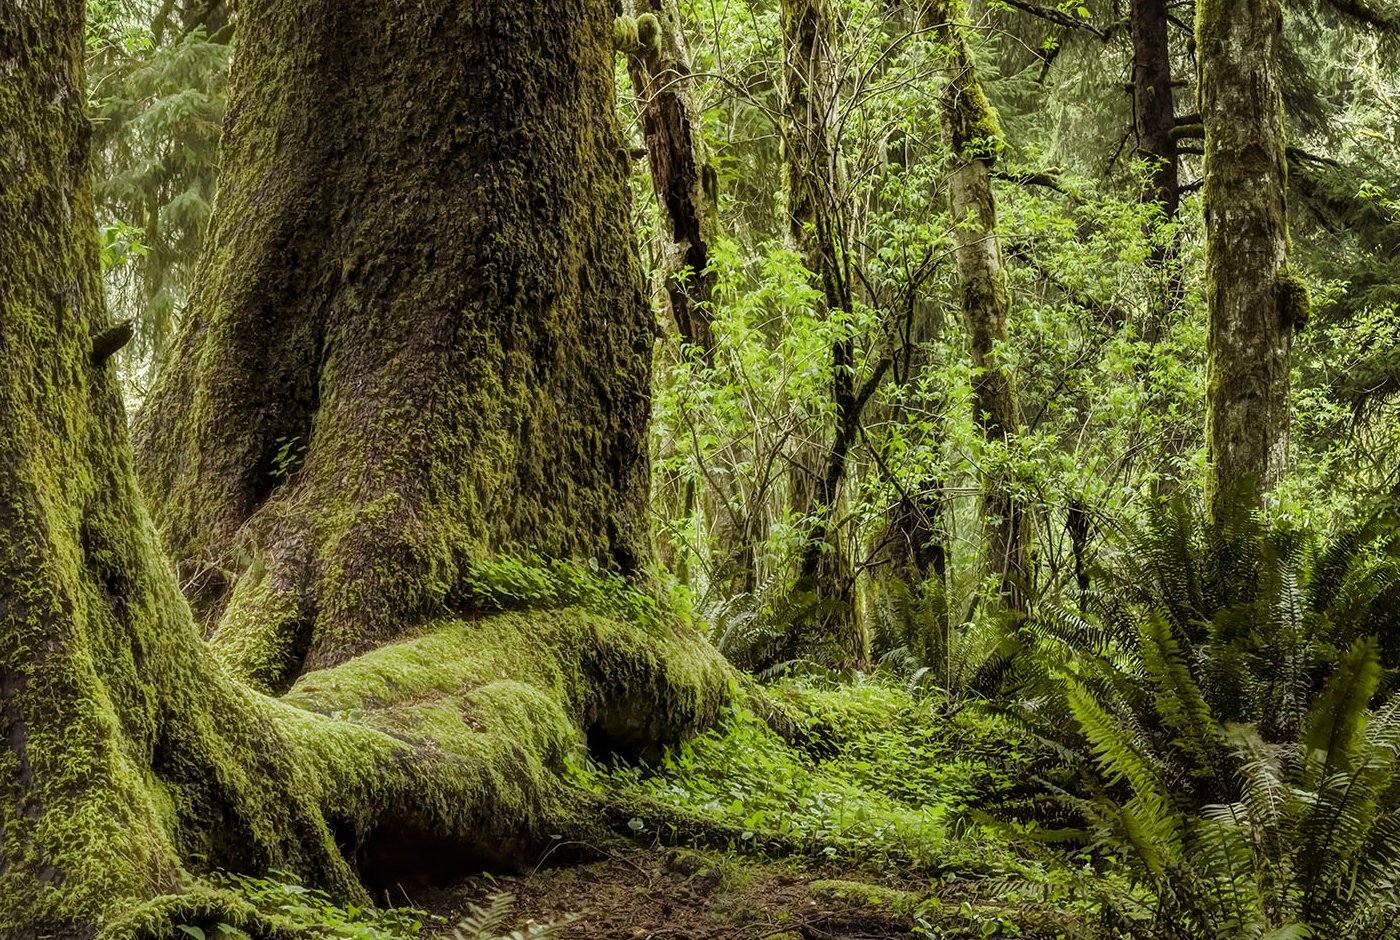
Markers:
1206,747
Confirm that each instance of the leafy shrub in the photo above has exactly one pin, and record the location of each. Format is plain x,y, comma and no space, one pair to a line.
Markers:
956,659
307,912
507,582
312,913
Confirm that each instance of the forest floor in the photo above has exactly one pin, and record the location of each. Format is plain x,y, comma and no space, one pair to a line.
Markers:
667,894
879,786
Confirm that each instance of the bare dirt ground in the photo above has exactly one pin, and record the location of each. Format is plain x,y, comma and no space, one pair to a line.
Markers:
656,893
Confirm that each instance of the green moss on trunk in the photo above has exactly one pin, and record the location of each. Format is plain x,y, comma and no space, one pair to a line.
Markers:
421,337
1253,304
130,760
972,134
124,751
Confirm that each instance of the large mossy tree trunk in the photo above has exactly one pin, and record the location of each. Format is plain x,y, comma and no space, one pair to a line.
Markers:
420,339
1255,302
972,134
130,761
125,752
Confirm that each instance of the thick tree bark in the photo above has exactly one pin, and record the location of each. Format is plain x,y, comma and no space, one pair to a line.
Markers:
124,749
1254,300
973,137
128,756
420,338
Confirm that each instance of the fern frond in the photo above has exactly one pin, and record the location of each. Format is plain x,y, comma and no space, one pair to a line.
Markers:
1264,788
1179,701
1335,566
1338,713
1221,863
1148,827
1335,827
485,923
1114,746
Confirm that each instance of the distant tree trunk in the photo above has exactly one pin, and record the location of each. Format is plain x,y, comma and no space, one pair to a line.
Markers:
685,184
1155,123
1254,300
128,757
681,172
808,52
215,17
914,541
420,338
818,228
1154,113
973,137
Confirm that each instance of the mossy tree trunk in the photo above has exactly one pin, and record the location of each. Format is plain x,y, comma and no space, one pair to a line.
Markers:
128,756
972,135
685,183
420,338
913,544
809,169
681,172
125,751
1254,301
818,205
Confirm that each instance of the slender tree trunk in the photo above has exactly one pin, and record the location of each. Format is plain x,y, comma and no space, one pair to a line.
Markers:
914,543
1154,113
418,341
128,757
818,228
808,50
1254,300
973,137
1154,121
685,183
681,172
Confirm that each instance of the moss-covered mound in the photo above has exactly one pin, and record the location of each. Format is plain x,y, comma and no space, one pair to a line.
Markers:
444,753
